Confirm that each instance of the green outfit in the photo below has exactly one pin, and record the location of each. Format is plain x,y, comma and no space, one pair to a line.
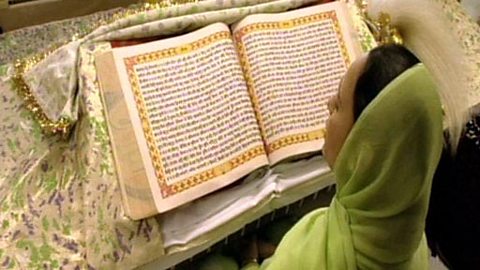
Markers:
384,173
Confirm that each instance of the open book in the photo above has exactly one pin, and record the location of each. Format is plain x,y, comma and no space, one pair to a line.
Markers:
191,114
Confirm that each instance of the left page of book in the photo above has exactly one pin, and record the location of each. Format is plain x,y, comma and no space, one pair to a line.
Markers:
191,114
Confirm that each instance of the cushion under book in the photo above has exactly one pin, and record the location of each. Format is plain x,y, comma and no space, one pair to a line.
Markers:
191,114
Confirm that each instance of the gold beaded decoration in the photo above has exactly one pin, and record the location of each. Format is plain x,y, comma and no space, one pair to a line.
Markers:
21,66
63,125
382,29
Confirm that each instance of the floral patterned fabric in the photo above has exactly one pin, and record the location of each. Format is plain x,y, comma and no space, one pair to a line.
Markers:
60,202
41,38
468,31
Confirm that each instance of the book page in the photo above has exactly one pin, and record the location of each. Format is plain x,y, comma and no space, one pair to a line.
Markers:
293,63
192,116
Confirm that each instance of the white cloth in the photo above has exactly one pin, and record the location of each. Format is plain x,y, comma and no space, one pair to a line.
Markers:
204,215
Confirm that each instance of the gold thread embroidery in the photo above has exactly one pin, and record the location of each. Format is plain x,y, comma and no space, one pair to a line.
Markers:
296,138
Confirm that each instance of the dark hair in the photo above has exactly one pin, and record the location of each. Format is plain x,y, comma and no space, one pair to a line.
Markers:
384,64
453,223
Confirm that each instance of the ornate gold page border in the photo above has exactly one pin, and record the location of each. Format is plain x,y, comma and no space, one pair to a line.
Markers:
155,155
296,138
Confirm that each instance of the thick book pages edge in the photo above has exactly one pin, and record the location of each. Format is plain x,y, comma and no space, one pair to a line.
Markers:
138,200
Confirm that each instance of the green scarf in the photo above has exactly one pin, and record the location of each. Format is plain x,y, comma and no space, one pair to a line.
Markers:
384,173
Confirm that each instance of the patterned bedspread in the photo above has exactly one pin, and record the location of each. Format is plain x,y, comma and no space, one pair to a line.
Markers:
60,203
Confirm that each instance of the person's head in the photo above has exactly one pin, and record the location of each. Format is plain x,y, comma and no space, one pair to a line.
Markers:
365,78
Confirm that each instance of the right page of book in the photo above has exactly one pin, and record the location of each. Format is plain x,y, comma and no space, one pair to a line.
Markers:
293,63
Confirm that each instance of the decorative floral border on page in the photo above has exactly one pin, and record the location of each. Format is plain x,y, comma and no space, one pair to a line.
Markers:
154,151
295,138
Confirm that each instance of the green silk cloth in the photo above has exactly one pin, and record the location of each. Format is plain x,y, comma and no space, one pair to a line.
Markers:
384,173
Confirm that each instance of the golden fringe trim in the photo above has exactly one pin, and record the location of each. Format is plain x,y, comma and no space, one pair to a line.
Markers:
49,127
64,125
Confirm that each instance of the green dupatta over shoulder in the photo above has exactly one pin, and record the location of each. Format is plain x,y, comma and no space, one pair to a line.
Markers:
384,173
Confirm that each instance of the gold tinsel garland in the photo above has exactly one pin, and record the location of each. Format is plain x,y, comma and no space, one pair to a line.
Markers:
21,66
379,27
48,126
